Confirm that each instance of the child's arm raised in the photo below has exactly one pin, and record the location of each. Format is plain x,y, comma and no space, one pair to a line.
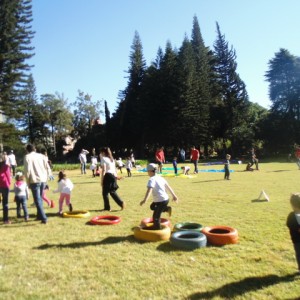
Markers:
149,190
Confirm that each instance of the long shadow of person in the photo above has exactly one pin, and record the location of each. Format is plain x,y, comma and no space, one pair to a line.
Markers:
234,289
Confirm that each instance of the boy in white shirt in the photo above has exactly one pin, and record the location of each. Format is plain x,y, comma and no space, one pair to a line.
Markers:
158,186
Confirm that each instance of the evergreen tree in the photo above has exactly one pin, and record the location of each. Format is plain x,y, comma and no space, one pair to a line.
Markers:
203,73
284,84
128,112
232,90
15,50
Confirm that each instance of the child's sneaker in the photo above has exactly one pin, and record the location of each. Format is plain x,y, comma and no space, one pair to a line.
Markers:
70,207
169,211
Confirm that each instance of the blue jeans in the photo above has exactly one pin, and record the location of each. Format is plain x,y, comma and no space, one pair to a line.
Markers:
83,168
37,190
5,192
21,202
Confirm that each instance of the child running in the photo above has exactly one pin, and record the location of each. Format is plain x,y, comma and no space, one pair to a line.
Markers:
49,202
21,195
64,187
293,223
158,186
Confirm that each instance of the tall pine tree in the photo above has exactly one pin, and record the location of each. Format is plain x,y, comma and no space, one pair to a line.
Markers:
232,91
15,50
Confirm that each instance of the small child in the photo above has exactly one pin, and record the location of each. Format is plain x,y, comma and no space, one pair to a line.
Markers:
293,223
120,164
158,186
21,196
226,167
185,170
248,167
49,202
65,187
93,166
175,164
128,166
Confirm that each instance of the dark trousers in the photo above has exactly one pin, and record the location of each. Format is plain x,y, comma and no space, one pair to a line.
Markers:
128,172
21,202
110,188
158,208
227,173
297,253
195,162
5,192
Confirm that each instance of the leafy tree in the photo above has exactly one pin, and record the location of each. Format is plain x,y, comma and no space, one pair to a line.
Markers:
57,116
231,89
15,50
85,113
284,84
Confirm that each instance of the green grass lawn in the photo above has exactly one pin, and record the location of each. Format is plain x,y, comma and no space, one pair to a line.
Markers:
69,259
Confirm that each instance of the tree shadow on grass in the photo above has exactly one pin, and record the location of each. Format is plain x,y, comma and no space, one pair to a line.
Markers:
234,289
277,171
107,241
203,181
259,200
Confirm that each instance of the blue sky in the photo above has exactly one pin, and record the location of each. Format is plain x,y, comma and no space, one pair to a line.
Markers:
85,44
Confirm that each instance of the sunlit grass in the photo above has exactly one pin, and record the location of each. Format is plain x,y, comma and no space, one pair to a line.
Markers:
68,259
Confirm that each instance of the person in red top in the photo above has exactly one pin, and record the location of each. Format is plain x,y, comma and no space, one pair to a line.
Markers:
5,180
195,155
160,158
297,155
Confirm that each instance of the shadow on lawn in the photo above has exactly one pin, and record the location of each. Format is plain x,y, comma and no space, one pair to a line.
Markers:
234,289
75,245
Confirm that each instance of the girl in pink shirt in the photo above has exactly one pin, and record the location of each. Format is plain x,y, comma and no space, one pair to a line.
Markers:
4,185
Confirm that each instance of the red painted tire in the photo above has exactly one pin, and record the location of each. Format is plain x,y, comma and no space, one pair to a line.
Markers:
221,235
105,220
148,221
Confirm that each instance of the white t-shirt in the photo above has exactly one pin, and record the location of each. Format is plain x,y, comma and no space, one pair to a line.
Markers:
158,185
109,166
12,159
65,186
128,164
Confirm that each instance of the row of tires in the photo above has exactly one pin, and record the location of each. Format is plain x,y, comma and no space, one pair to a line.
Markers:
186,235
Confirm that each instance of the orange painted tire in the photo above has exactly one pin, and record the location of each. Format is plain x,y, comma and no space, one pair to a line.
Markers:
148,221
105,220
221,235
148,235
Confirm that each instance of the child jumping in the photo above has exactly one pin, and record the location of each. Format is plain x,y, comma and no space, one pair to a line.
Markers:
64,187
21,196
293,223
226,167
158,186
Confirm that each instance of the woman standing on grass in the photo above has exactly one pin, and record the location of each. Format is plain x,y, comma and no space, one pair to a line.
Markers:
5,180
108,179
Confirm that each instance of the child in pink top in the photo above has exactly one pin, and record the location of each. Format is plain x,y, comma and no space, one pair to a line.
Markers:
21,195
65,187
4,185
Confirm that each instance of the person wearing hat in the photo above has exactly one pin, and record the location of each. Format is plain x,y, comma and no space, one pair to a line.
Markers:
5,180
158,186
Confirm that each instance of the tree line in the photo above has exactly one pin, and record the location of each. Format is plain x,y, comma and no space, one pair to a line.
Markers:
192,95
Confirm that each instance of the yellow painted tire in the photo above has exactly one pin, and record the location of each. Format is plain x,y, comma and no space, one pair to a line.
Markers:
76,214
148,235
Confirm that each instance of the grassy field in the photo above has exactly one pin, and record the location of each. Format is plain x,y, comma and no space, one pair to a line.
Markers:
70,259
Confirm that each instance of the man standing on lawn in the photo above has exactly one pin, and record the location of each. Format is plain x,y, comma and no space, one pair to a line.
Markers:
195,155
36,174
160,158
